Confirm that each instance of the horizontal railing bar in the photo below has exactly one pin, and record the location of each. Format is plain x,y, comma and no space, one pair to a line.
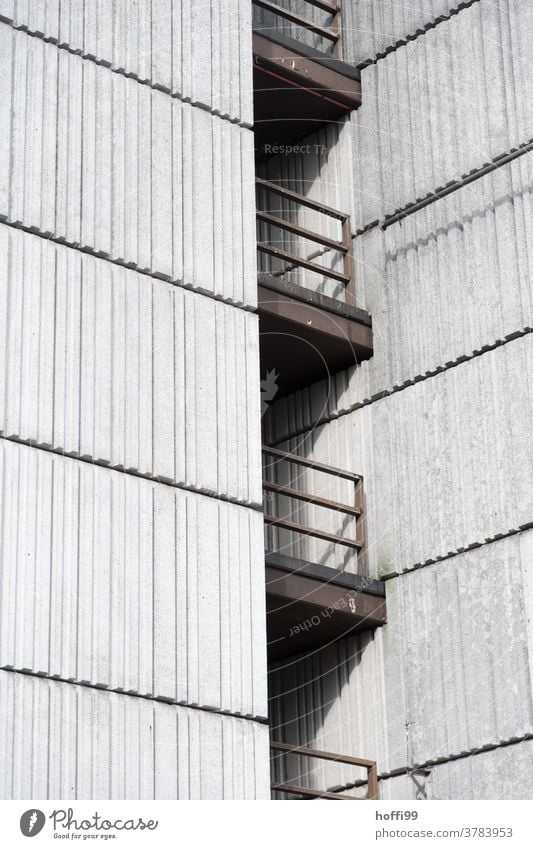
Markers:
317,500
306,23
305,201
310,464
325,5
325,756
312,532
301,231
303,263
314,794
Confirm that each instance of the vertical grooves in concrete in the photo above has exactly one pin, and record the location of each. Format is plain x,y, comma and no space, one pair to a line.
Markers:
161,42
110,579
68,742
85,371
118,582
136,143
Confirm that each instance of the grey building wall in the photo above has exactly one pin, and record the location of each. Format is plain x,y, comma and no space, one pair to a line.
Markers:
64,741
131,542
438,421
370,28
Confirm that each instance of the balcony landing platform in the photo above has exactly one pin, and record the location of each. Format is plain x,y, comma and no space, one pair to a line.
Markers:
297,89
309,605
306,336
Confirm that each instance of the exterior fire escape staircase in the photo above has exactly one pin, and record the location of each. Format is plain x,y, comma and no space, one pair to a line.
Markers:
307,329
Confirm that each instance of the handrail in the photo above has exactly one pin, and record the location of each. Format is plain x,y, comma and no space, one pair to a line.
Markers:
325,5
370,766
267,218
343,246
280,489
289,525
317,205
355,510
332,33
311,464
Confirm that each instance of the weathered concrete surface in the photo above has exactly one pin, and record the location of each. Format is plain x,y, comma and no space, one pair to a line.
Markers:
449,674
108,364
140,177
198,52
446,103
61,741
370,27
115,581
502,773
109,579
447,462
499,774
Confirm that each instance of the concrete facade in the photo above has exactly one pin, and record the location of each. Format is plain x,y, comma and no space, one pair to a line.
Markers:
132,609
133,612
438,421
88,744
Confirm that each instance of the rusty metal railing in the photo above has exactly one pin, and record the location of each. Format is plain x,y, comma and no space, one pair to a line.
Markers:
331,33
372,786
343,246
353,510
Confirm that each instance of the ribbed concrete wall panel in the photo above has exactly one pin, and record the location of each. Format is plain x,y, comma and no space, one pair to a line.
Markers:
453,458
444,284
503,773
459,631
105,363
448,674
112,580
458,441
370,27
140,177
400,787
198,52
65,742
450,280
444,104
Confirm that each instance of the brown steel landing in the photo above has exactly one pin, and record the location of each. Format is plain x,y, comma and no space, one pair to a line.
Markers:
310,606
306,337
297,90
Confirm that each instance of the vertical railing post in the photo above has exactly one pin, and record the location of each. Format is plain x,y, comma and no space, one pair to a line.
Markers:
373,786
348,260
360,529
337,29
